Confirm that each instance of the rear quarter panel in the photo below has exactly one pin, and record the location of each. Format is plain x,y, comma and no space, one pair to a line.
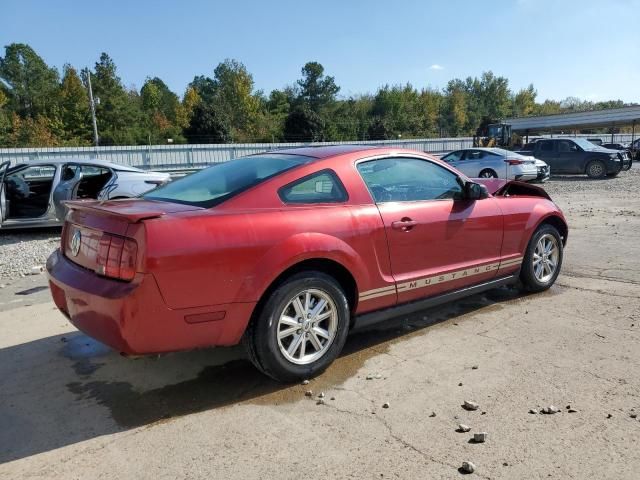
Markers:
214,258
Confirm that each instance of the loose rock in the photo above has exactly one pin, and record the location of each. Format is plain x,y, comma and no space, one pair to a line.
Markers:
308,393
462,428
321,395
468,405
550,410
480,437
320,402
305,382
534,411
433,414
385,405
475,367
468,467
572,410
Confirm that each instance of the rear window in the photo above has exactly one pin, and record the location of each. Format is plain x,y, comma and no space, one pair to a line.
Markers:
319,187
213,185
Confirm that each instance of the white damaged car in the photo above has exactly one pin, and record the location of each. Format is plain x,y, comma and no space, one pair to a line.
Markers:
31,194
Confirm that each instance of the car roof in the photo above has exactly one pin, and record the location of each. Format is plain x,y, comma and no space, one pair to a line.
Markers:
325,151
93,162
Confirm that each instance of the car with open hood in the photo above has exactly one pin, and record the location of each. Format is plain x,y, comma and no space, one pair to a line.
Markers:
288,251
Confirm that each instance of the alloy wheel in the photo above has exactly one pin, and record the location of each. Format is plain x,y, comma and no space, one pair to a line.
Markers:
307,326
545,258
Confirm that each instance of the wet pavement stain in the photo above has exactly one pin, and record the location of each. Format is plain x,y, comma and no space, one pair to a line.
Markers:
237,381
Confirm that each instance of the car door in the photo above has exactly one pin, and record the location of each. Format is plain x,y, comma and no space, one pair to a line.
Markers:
570,156
4,166
438,240
547,153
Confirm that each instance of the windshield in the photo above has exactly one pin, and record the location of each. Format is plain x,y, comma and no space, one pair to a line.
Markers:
584,144
214,185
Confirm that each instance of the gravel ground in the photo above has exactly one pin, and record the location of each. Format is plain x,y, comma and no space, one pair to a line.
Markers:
21,251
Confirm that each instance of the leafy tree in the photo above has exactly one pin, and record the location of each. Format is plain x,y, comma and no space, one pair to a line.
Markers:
207,125
304,125
30,84
524,102
75,112
316,89
119,111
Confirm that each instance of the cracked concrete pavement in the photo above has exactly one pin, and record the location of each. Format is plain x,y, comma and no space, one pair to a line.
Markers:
70,408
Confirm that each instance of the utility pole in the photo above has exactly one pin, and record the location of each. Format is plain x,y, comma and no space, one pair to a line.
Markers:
93,109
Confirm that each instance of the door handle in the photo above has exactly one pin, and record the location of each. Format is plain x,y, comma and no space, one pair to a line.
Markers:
404,224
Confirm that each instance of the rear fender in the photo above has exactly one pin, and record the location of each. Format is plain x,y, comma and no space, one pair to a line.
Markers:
296,249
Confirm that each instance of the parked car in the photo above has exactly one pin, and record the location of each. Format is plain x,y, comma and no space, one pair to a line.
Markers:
615,146
595,141
31,194
493,163
289,250
578,156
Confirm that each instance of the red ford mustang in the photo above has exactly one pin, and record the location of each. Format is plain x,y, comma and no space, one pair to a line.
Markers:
289,250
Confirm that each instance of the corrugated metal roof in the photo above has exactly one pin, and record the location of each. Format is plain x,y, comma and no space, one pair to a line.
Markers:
595,118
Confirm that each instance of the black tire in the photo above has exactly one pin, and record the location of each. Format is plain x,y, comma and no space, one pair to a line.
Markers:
488,173
260,339
527,276
596,169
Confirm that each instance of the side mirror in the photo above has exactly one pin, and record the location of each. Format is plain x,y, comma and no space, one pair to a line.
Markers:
475,191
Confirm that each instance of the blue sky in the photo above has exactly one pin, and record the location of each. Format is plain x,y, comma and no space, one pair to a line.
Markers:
565,48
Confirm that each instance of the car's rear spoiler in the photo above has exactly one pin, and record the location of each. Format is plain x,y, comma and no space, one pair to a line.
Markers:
132,210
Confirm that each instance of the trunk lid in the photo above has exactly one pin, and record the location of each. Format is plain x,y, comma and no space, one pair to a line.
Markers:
104,237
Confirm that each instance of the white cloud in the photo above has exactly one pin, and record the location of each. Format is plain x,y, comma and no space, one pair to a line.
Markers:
435,66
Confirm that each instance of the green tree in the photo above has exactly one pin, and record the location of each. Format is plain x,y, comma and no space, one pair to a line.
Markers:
304,125
30,83
207,125
119,111
74,110
316,90
524,102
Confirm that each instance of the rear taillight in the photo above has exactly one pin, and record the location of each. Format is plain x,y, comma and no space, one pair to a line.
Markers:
514,162
116,257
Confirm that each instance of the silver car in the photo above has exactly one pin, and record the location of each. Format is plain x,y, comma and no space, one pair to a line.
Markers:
493,163
31,194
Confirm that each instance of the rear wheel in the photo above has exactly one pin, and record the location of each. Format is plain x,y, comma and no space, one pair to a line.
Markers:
488,173
596,169
300,329
542,260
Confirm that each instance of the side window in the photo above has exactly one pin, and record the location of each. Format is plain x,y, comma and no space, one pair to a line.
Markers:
320,187
453,156
474,155
408,179
546,146
565,146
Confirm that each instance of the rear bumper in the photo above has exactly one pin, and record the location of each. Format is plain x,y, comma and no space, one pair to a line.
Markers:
132,317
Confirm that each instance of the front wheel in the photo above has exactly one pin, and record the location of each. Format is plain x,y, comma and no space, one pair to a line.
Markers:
542,260
301,328
596,169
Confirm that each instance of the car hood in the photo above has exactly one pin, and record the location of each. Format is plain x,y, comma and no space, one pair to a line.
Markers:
604,150
501,187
